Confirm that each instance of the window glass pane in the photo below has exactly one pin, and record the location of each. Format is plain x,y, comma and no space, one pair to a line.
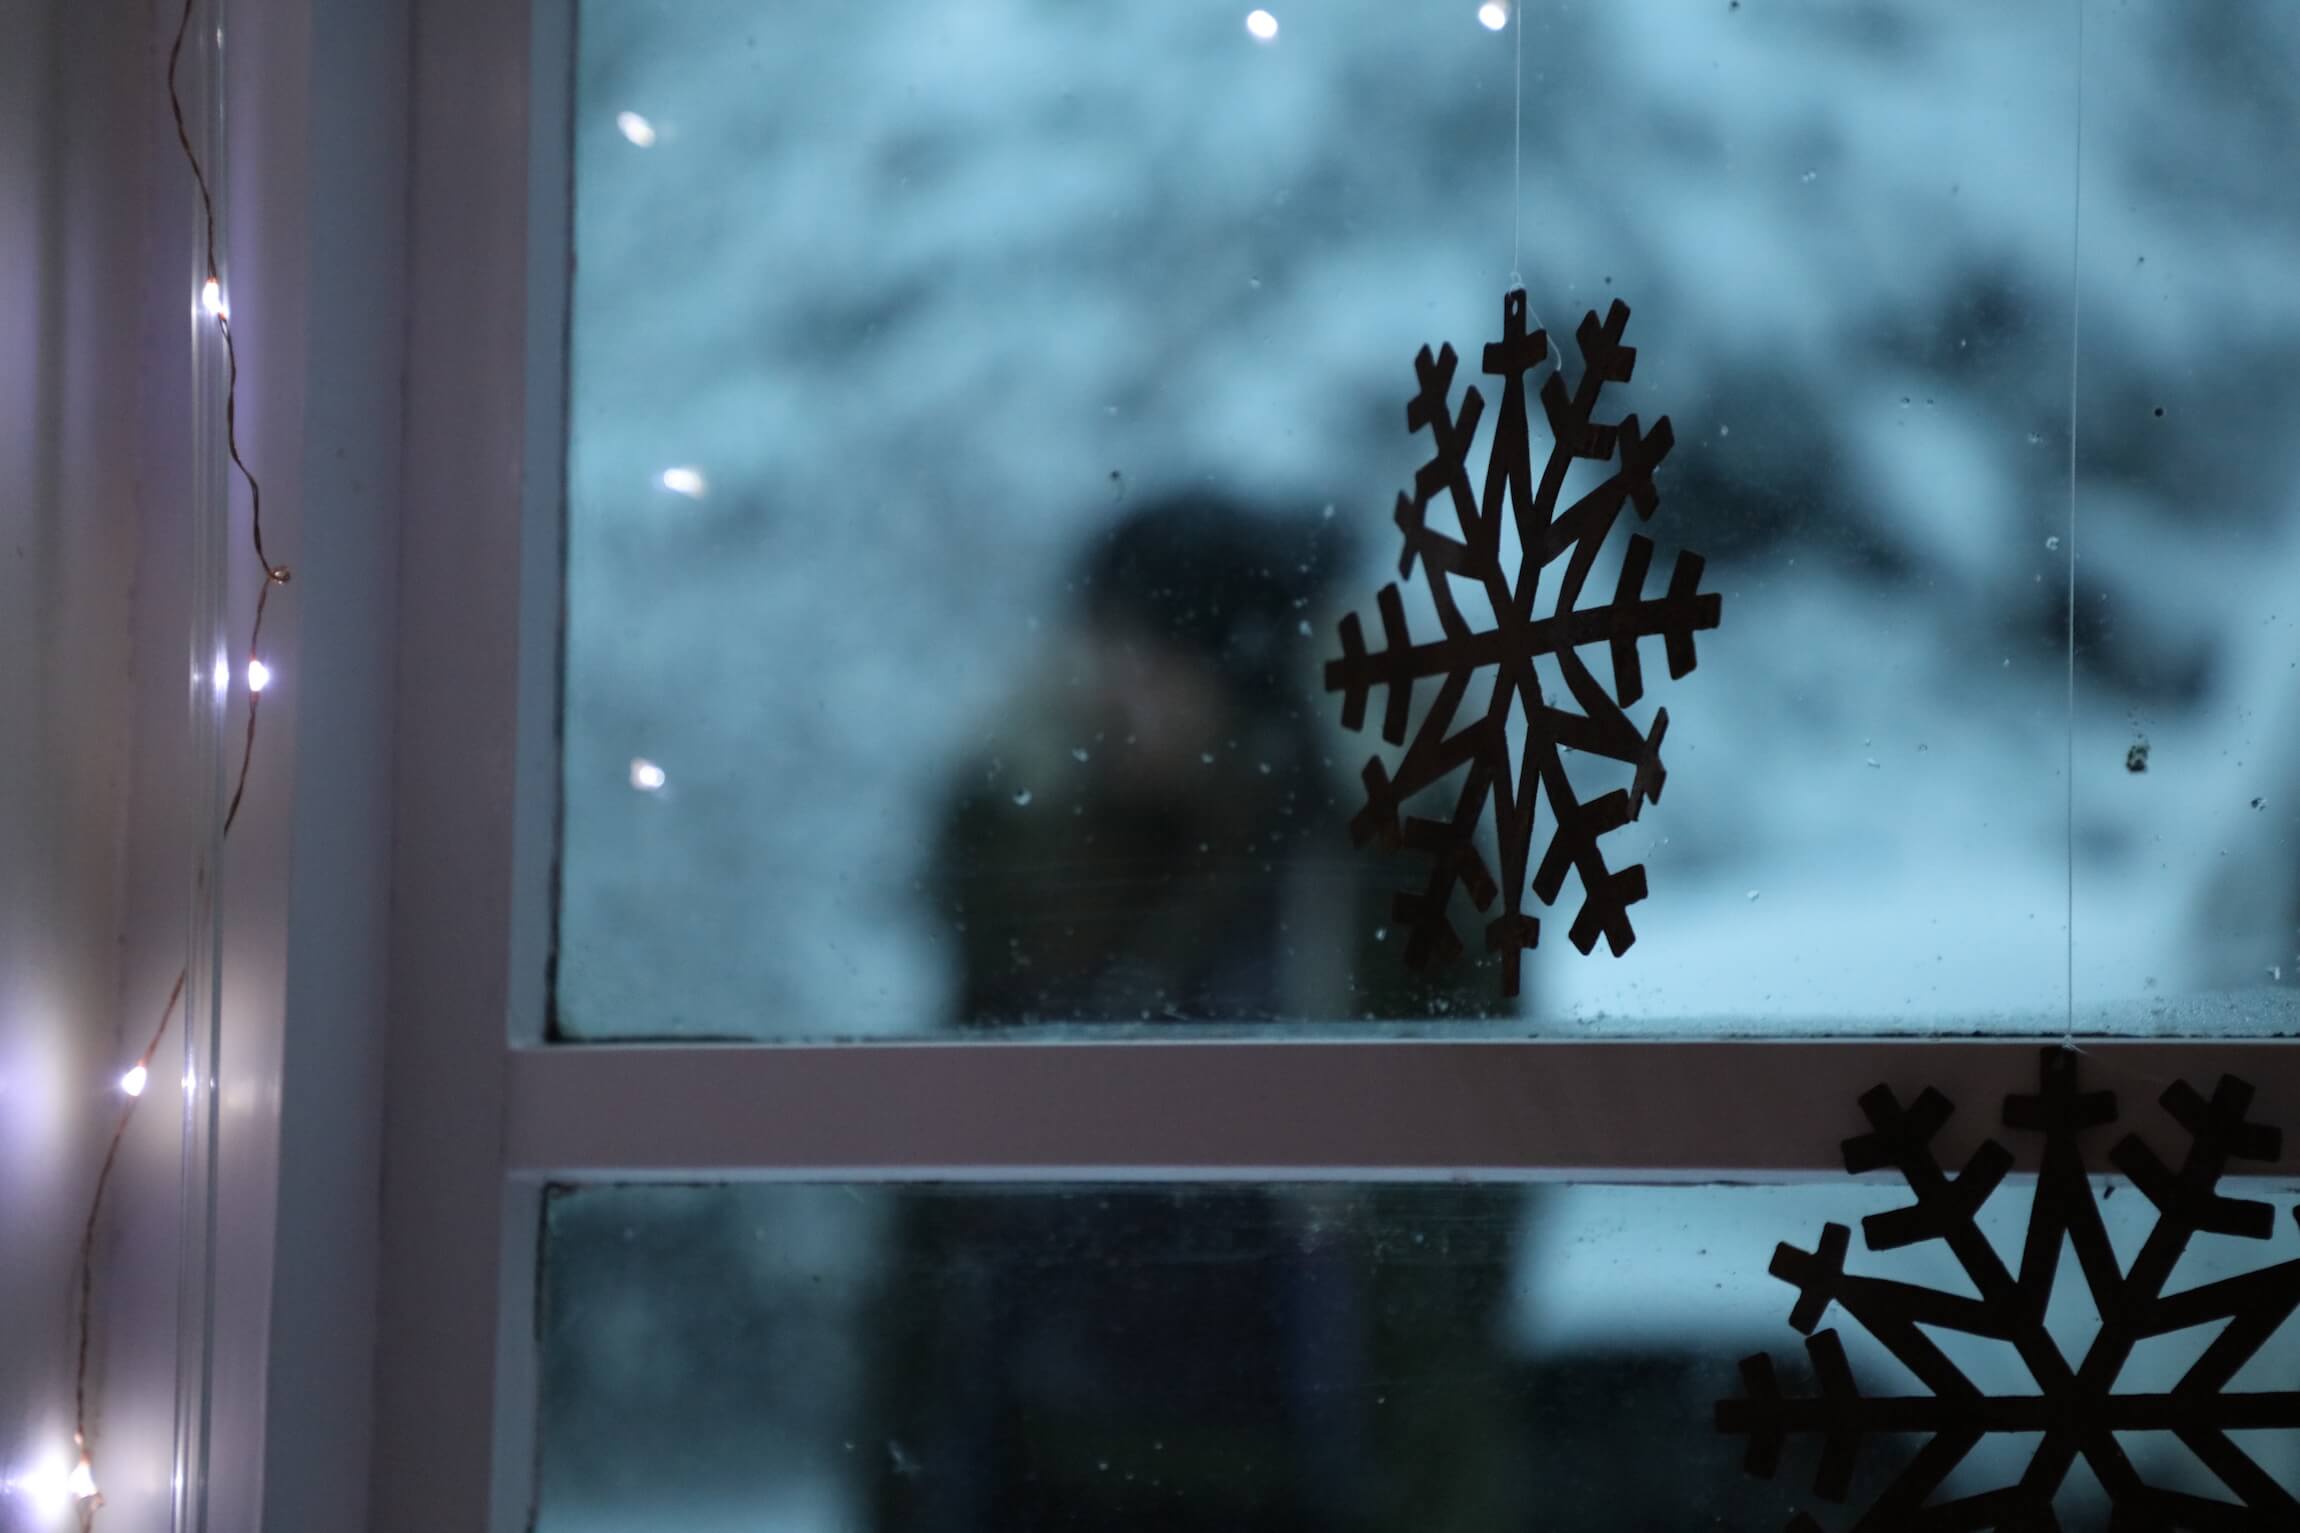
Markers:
2187,747
1334,1357
982,418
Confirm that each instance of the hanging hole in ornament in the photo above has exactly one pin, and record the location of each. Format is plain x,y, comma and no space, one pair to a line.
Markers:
1471,600
2072,1311
1516,721
2166,1463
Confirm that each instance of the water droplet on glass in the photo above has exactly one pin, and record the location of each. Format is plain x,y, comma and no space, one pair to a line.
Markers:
1304,627
1078,753
1381,934
1810,176
1752,896
1022,798
1327,514
1207,757
2035,440
2052,545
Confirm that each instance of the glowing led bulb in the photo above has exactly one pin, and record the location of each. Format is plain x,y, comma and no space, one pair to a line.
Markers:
636,128
133,1082
646,776
212,298
259,675
686,481
1493,15
53,1484
1262,24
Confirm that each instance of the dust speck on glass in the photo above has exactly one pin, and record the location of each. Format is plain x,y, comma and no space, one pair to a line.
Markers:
983,414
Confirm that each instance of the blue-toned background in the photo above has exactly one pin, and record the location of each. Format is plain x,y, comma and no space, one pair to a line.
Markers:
878,723
932,297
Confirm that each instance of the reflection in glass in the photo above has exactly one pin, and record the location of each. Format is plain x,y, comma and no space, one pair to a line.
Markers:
1332,1357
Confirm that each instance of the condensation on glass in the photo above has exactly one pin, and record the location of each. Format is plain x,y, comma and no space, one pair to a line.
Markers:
982,414
1246,1357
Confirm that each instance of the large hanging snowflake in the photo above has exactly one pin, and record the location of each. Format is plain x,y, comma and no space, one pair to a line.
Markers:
2077,1407
1509,637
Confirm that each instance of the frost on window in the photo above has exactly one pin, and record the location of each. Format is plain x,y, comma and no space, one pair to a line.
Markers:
981,416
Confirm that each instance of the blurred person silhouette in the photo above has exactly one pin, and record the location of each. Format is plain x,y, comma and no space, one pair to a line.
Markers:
1155,836
1127,849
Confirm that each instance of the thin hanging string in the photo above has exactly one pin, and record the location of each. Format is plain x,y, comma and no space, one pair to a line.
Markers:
2075,333
1517,181
1517,161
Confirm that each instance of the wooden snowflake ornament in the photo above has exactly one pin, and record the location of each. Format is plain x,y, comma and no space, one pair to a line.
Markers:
1508,639
2077,1406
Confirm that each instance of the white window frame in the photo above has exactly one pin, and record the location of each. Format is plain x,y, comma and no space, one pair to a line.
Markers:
481,1113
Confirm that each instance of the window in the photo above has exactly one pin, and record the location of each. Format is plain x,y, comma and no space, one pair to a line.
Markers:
801,973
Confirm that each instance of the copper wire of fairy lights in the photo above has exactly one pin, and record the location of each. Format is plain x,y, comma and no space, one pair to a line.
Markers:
274,575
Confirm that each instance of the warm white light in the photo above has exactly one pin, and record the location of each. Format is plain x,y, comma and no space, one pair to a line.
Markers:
212,298
51,1485
222,675
133,1082
646,776
636,128
259,675
686,481
1262,24
1493,15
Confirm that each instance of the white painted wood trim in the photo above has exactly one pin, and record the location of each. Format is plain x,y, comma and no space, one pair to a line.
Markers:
475,758
1544,1110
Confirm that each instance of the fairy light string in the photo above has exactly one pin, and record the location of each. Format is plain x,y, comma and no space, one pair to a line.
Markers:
83,1483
